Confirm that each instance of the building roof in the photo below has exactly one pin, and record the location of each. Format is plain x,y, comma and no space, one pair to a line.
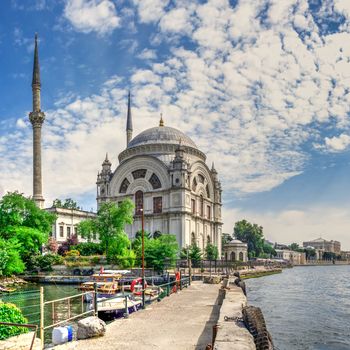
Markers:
162,135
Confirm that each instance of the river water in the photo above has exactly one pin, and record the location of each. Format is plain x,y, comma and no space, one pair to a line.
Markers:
305,308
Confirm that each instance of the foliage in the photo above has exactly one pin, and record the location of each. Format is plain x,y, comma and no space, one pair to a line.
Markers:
268,251
252,234
44,262
10,313
66,246
194,253
156,234
74,261
88,248
72,252
295,247
52,245
109,223
161,250
24,228
226,238
310,253
11,261
211,252
68,203
87,229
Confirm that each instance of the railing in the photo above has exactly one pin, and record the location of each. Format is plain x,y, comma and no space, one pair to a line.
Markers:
24,325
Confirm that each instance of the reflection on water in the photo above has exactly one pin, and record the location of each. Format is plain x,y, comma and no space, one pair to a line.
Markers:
305,308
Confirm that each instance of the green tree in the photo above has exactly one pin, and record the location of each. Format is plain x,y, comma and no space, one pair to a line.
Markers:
268,250
161,250
109,225
252,234
24,228
194,253
226,238
68,203
211,252
295,247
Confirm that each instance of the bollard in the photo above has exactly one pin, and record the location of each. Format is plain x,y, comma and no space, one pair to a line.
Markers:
95,299
180,280
215,332
168,285
126,314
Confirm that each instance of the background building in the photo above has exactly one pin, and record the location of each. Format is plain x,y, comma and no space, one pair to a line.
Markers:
165,174
322,244
296,258
235,250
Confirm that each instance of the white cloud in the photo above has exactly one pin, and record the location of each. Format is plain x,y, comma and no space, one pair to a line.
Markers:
337,143
150,10
92,15
176,21
147,54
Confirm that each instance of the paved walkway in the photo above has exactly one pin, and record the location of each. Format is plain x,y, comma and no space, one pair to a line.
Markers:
182,321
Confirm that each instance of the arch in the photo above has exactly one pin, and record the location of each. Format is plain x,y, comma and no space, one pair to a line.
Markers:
139,173
233,256
200,168
241,256
155,182
138,202
124,186
194,185
193,238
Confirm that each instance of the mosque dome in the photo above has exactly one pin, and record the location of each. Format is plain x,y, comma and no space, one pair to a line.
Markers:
162,135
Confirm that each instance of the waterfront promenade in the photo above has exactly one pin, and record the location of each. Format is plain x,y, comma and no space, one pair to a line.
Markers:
182,321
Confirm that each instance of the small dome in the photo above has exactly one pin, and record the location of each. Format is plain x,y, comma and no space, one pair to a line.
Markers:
162,135
236,241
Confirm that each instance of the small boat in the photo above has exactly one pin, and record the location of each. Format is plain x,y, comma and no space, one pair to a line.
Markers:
151,292
107,285
111,308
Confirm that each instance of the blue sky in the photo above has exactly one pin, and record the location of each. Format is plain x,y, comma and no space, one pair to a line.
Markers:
261,86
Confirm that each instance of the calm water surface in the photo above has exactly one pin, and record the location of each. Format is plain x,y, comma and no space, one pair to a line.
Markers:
305,308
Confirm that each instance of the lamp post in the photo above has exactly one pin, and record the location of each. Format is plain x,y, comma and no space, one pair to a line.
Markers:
143,256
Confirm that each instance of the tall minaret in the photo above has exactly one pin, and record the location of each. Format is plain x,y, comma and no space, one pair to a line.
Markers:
129,122
37,118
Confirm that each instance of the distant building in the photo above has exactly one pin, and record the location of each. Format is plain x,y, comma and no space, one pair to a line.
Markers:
66,224
296,258
322,244
235,250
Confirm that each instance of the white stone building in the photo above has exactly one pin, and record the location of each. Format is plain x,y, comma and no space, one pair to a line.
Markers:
296,258
165,174
66,224
235,250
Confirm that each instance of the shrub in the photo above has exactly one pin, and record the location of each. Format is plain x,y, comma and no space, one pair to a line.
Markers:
89,248
44,262
73,252
65,246
11,313
95,260
52,245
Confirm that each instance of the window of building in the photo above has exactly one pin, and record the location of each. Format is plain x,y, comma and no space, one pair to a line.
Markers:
193,238
194,185
61,231
193,206
76,230
207,190
124,186
138,202
140,173
201,178
202,206
157,205
155,182
68,231
208,212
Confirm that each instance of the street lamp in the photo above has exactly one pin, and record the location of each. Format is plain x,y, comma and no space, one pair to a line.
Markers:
143,255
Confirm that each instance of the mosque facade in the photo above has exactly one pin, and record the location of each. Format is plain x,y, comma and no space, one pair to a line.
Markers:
165,174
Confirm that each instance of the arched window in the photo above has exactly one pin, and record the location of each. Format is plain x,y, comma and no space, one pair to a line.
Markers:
208,239
233,256
155,182
207,190
124,186
194,185
201,178
140,173
240,256
138,202
193,239
202,206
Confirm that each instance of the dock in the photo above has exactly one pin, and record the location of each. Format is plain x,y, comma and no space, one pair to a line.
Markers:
182,321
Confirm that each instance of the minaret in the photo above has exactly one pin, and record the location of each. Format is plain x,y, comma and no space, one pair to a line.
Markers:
129,122
37,118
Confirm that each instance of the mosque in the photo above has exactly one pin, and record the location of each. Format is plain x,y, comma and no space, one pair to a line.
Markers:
161,170
165,174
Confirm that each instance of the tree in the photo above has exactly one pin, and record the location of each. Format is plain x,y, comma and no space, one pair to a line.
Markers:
295,247
161,250
226,238
24,227
269,250
252,234
68,203
211,252
109,225
194,253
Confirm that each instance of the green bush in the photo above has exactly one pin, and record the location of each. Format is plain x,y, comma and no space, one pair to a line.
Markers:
11,313
95,260
73,252
89,248
43,262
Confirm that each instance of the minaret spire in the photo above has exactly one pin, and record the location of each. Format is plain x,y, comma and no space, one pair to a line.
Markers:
161,121
37,118
129,122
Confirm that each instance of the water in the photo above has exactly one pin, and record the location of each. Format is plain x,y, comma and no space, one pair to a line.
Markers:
305,308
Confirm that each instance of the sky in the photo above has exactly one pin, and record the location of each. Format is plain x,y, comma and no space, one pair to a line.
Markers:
261,86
